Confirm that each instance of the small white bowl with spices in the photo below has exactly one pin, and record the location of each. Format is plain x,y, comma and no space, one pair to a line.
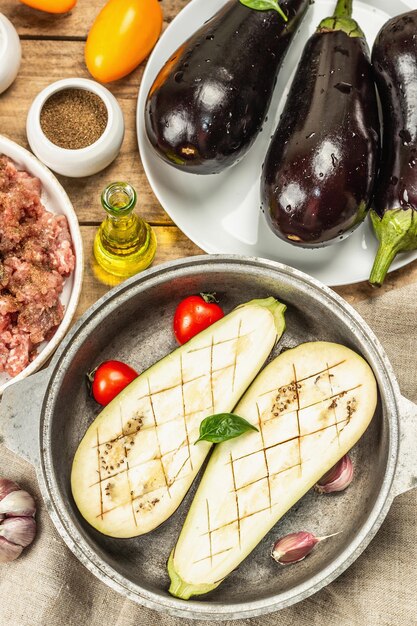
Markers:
76,127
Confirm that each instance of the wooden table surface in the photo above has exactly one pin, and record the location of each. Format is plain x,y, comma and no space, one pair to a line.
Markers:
53,48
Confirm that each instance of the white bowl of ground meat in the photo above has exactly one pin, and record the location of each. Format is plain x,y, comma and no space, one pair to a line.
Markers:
41,263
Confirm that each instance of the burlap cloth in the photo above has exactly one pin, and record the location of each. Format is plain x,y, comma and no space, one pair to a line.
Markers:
49,587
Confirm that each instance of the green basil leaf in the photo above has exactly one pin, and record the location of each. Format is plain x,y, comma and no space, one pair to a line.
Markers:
222,427
265,5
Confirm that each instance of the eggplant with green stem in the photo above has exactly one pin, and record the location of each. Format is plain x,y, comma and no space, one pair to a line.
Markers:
208,103
137,459
320,170
310,406
394,216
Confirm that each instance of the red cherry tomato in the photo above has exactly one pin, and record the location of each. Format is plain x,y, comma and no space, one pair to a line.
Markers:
194,314
109,379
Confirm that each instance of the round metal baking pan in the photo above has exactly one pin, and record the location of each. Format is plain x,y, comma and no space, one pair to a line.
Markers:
134,322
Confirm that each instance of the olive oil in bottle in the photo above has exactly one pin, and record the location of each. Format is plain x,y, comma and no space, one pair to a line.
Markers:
124,244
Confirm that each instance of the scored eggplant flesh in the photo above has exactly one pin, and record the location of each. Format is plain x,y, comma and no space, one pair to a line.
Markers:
310,405
137,460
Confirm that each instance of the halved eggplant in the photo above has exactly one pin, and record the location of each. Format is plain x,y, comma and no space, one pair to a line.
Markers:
137,460
310,405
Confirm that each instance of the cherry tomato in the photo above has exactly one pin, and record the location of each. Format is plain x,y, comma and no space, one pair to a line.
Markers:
122,36
51,6
109,379
194,314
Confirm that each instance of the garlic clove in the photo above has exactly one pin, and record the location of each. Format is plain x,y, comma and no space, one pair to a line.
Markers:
293,548
18,503
338,478
296,546
19,530
9,551
7,486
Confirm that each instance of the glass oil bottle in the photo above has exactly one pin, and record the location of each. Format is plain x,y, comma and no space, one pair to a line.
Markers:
124,244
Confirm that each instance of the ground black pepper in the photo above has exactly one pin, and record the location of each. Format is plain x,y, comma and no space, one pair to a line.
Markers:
74,118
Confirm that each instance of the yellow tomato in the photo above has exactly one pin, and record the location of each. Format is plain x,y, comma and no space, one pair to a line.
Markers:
51,6
124,33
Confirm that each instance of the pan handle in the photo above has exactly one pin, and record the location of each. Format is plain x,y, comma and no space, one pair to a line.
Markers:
406,472
20,413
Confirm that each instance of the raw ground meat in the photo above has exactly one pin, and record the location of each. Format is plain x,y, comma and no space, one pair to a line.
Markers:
36,256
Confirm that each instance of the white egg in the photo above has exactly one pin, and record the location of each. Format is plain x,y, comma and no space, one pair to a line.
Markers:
10,53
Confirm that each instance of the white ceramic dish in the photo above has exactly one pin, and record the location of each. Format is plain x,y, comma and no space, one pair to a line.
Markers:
221,213
85,161
10,53
55,200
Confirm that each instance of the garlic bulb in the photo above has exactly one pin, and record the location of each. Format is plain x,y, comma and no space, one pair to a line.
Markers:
17,524
338,478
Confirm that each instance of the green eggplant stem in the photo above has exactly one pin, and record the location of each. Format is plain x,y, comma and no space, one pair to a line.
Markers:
343,8
341,20
181,589
385,256
396,232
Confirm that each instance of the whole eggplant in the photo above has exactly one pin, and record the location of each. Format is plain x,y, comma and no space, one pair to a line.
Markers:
394,216
319,173
208,103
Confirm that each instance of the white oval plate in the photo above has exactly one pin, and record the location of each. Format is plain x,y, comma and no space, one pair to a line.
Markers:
221,213
55,200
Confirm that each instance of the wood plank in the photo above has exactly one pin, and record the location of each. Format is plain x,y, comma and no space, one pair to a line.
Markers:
76,23
172,244
47,61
